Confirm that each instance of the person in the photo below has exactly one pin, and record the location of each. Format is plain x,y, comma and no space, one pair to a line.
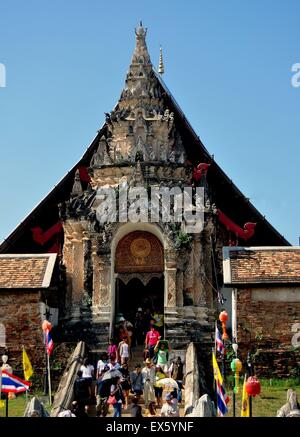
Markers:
139,327
123,351
148,373
135,409
151,340
162,355
159,374
169,409
122,331
117,392
101,364
176,372
174,399
87,371
136,379
76,411
159,321
82,391
112,349
102,392
125,382
152,410
147,318
113,364
64,413
125,330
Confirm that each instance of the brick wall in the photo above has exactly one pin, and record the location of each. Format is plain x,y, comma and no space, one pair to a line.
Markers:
265,329
20,314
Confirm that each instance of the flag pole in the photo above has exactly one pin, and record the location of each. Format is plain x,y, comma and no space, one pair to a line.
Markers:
26,392
6,407
49,379
215,350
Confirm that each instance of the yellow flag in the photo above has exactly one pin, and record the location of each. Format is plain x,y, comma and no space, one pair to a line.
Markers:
217,373
27,367
245,412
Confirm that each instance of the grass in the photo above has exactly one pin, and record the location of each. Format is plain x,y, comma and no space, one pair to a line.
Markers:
16,406
271,398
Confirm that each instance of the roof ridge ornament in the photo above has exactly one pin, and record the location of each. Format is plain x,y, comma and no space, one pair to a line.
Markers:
161,67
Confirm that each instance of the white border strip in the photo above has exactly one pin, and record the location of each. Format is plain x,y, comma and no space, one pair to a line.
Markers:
258,248
26,255
49,270
226,265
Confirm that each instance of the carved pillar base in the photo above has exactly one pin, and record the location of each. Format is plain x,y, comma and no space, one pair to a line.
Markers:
101,314
171,315
74,315
201,314
189,313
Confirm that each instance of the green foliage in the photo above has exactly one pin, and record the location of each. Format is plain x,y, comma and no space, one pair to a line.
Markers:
183,241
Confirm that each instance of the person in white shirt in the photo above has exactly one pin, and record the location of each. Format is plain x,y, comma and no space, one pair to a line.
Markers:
123,351
169,409
148,373
101,364
87,370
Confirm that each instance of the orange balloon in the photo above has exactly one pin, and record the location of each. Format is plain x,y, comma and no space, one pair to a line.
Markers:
46,326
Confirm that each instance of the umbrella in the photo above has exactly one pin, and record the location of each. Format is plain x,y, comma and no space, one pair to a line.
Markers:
111,374
167,382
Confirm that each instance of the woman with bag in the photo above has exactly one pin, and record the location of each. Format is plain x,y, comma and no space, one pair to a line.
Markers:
116,398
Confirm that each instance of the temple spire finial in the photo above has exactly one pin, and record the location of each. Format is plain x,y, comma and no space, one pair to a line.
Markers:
161,68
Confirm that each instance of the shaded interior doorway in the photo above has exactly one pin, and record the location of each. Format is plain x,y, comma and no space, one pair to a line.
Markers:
134,295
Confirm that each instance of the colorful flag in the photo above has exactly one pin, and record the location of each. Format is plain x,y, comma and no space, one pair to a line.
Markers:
217,373
27,367
13,384
48,342
245,412
222,398
219,343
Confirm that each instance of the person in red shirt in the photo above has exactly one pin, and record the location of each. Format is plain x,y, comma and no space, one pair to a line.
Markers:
151,340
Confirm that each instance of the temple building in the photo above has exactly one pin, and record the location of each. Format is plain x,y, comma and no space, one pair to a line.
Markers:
105,268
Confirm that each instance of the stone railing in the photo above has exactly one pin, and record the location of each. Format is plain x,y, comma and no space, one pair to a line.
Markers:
65,393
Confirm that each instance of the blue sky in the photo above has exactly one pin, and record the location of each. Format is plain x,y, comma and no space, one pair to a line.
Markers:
228,64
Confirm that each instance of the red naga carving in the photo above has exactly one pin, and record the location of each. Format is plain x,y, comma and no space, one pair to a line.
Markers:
83,174
200,170
42,237
245,234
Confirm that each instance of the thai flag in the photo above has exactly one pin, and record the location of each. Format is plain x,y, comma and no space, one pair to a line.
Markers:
219,342
49,342
222,400
13,384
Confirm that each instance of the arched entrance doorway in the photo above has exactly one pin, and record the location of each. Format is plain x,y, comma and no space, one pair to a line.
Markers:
139,272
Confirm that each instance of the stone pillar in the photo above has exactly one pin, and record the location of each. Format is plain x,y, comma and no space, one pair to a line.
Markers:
102,288
77,275
105,288
198,286
96,270
170,292
188,286
179,288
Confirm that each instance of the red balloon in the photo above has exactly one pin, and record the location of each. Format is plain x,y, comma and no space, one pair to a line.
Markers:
253,386
46,326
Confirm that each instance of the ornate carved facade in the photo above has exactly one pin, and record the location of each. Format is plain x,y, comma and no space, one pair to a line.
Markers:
142,147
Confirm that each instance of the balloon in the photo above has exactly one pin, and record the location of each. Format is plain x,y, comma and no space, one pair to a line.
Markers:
46,326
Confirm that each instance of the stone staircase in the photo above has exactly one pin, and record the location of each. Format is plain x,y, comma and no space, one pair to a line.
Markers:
138,358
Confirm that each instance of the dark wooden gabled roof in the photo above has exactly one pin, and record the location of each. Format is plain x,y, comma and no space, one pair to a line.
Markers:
225,194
